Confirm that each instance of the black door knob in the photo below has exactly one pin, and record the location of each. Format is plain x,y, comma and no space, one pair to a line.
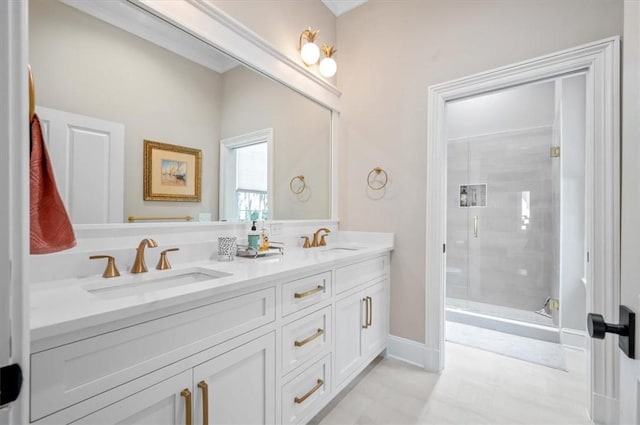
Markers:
626,330
598,327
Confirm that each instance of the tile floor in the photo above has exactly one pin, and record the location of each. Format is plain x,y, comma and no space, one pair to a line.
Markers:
477,387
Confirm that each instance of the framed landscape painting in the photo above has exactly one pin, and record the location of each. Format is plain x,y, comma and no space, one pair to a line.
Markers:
171,172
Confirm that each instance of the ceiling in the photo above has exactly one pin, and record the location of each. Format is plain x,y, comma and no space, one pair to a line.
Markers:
338,7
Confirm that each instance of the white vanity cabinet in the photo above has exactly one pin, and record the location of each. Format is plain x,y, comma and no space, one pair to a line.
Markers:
362,316
233,387
161,404
237,387
274,352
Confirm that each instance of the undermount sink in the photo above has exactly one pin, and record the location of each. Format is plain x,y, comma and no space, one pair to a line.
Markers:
150,281
342,248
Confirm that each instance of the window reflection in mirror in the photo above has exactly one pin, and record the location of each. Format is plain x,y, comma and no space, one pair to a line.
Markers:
85,66
246,167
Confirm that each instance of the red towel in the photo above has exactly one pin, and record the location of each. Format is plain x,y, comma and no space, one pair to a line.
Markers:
51,229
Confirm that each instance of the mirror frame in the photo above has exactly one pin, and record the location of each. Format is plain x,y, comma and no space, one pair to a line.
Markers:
211,25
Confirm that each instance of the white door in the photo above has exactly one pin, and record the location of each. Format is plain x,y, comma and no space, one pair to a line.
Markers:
164,403
375,335
629,370
237,387
349,324
88,162
14,223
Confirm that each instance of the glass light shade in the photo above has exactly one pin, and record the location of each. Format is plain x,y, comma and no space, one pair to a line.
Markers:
328,67
310,53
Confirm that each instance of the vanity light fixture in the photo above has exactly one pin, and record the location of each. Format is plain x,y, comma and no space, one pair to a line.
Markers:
310,53
328,66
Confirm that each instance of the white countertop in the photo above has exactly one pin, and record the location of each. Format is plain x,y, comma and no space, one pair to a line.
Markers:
59,307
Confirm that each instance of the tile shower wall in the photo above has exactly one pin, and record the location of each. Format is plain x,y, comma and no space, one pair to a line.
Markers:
513,260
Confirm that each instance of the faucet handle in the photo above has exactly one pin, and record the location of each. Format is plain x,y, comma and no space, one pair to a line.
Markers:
163,263
322,241
306,242
111,270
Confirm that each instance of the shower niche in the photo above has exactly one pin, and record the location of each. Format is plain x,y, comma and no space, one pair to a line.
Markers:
473,195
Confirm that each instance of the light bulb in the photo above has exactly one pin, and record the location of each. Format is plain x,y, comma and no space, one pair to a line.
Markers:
328,67
310,53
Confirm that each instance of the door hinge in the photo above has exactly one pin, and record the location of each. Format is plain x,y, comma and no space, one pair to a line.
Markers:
10,383
555,151
444,248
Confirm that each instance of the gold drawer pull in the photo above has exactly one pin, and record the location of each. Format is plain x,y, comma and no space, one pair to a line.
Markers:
187,404
205,402
366,313
370,311
319,385
309,338
319,288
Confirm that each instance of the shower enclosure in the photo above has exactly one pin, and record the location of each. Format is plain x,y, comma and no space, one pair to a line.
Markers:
503,208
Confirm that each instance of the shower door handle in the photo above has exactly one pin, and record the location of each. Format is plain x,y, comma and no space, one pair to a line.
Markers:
475,226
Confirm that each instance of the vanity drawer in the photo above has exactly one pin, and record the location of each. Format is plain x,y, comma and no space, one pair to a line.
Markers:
305,338
350,276
305,292
71,373
307,393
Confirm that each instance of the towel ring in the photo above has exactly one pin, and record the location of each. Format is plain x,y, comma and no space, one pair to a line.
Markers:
302,188
32,96
377,171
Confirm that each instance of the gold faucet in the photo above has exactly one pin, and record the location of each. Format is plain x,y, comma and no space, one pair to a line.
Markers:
139,265
315,243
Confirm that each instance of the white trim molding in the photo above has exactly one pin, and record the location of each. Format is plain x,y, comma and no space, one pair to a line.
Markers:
573,338
14,184
406,350
600,61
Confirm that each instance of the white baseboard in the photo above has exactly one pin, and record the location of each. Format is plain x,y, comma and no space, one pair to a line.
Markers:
573,338
406,350
605,410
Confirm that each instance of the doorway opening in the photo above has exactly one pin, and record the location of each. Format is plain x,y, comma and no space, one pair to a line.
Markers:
516,218
600,63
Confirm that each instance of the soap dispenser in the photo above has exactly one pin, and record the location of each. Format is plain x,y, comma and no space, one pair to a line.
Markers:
264,238
254,237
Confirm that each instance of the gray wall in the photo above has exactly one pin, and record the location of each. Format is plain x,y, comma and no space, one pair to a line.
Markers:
390,53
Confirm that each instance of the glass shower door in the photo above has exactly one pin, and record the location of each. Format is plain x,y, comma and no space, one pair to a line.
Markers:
513,228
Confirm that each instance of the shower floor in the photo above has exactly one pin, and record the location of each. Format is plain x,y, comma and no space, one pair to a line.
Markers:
500,311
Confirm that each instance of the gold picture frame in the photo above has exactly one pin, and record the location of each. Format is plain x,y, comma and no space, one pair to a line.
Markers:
171,172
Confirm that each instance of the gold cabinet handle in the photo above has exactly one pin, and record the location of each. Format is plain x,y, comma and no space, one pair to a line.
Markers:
205,402
309,338
319,288
366,314
369,311
318,385
187,404
475,226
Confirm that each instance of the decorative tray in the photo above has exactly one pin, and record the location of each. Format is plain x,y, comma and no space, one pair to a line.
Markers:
274,249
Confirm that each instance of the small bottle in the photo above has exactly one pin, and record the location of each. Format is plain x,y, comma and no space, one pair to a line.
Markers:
254,237
264,238
463,197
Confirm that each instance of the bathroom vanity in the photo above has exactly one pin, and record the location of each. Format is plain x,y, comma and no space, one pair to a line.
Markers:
268,340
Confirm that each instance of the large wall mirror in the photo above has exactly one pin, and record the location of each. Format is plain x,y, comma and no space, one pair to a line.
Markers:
102,91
